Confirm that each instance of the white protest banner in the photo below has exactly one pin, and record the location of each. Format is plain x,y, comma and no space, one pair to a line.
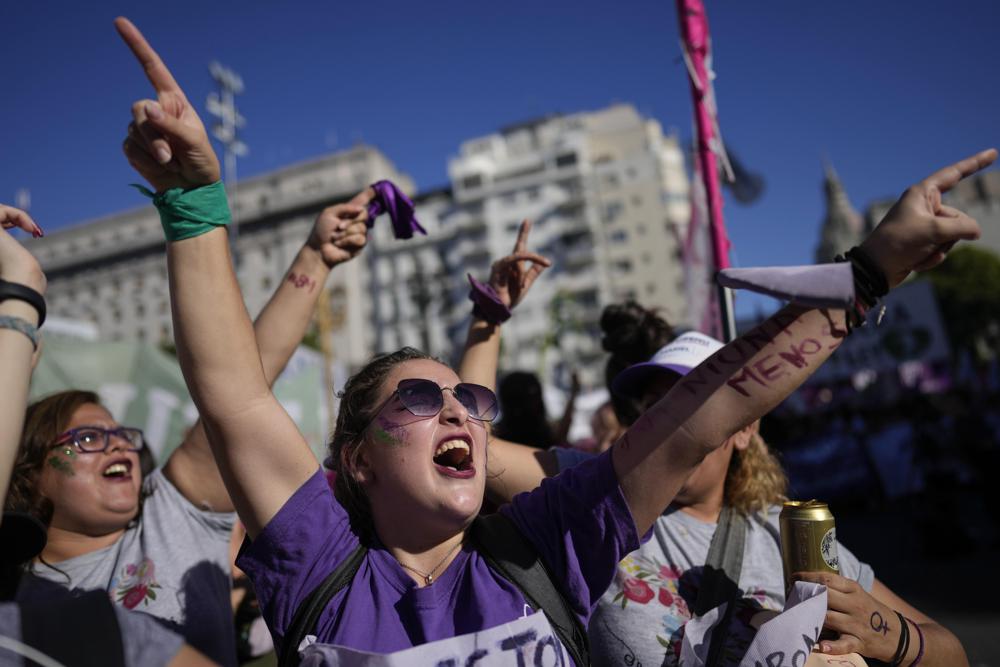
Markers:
526,642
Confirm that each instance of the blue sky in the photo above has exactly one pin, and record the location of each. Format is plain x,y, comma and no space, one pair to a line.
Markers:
888,90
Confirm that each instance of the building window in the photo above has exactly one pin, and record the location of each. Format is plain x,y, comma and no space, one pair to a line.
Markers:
618,236
140,310
650,288
474,181
624,265
636,200
163,308
612,210
566,160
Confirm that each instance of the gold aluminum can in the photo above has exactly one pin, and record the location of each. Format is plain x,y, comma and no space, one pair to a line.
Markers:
808,538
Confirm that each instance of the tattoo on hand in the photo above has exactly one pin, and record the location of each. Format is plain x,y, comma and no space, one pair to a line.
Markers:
879,624
301,280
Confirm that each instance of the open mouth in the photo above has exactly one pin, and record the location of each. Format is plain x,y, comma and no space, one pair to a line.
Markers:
118,469
454,456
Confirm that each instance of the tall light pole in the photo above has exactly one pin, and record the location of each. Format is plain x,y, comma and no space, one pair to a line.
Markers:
222,105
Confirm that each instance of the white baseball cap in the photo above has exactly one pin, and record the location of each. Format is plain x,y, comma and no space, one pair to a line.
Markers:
680,356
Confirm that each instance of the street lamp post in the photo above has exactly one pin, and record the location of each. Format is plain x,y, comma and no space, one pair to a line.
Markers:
222,105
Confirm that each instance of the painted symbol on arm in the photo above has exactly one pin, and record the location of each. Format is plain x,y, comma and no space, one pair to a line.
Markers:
790,351
879,624
301,280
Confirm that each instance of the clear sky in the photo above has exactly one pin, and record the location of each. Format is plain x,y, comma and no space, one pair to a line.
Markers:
888,91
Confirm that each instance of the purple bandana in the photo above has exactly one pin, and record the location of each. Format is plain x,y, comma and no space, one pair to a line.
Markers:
488,305
390,199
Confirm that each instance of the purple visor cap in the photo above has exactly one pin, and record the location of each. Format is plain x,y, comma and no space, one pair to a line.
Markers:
680,356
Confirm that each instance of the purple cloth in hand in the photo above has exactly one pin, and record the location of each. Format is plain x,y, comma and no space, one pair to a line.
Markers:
390,199
488,304
820,286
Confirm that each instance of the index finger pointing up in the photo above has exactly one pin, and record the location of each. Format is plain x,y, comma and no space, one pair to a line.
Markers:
157,73
522,236
945,179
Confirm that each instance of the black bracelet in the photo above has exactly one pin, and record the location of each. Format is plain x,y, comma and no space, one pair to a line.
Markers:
9,290
872,271
904,642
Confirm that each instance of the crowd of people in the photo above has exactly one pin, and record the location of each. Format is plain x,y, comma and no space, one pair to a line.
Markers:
384,554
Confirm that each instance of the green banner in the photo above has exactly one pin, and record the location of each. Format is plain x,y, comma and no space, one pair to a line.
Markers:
142,387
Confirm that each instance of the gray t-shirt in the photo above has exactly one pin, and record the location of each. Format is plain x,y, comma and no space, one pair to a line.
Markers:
146,642
641,617
173,564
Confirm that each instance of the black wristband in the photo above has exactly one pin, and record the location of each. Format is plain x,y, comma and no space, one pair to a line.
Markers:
904,642
872,271
9,290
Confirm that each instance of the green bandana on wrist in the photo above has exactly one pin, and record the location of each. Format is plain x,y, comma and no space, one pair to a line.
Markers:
185,214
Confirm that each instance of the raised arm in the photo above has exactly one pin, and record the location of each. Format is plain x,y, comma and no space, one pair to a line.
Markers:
748,377
338,235
513,467
18,321
510,279
261,454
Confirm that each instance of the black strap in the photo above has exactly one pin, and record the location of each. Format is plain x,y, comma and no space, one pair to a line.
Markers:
308,613
510,555
9,290
507,553
60,630
721,577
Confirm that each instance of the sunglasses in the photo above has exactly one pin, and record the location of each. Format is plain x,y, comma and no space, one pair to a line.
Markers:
425,398
97,439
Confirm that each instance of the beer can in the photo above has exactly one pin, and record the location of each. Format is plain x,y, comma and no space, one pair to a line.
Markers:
808,538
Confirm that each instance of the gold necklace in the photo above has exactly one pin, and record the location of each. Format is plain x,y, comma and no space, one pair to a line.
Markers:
429,576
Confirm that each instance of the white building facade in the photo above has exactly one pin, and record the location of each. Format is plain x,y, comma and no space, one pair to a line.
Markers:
607,192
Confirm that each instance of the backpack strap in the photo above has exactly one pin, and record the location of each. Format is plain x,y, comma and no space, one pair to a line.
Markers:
309,610
510,555
60,629
721,577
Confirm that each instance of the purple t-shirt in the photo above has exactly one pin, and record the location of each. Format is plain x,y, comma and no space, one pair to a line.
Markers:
579,522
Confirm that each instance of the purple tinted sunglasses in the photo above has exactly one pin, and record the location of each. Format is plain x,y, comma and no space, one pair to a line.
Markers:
425,398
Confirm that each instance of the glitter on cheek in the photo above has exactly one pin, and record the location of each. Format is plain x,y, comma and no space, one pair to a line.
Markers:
61,465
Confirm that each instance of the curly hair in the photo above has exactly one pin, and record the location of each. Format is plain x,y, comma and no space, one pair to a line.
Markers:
755,479
45,420
632,334
357,409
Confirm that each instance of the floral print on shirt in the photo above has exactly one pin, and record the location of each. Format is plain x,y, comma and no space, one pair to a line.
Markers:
644,580
136,584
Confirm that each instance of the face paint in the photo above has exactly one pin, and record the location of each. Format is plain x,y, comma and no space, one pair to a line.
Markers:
62,466
388,433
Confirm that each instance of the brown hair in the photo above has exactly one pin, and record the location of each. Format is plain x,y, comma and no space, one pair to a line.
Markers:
632,334
44,422
357,409
755,479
